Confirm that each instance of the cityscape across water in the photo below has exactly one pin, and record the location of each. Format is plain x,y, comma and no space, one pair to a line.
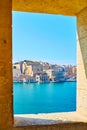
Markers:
42,72
33,98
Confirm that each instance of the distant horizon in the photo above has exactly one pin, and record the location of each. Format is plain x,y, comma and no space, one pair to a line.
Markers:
44,37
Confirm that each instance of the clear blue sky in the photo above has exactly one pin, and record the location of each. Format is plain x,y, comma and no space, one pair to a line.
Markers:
44,37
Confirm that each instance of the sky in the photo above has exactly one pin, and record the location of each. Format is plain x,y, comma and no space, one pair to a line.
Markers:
44,37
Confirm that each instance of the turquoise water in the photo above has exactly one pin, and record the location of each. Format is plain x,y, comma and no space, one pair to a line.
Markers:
44,98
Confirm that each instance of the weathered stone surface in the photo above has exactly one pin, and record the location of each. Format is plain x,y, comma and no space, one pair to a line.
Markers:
6,99
65,7
65,126
82,62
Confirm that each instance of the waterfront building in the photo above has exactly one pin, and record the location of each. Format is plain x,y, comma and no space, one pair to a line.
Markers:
16,72
56,75
54,67
23,67
74,70
16,65
31,80
21,78
15,79
43,78
25,79
45,65
34,68
28,71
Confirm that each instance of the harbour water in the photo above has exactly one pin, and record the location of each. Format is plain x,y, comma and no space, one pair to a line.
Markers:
36,98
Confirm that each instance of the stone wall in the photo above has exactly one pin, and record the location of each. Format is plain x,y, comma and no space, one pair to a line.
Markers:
67,7
64,7
6,103
66,126
82,62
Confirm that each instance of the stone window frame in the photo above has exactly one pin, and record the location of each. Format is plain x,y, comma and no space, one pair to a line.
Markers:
77,8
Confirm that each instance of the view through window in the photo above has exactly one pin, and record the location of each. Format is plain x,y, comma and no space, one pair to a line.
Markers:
44,63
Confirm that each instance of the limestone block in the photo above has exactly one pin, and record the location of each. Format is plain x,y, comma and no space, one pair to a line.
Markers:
6,92
65,7
82,62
